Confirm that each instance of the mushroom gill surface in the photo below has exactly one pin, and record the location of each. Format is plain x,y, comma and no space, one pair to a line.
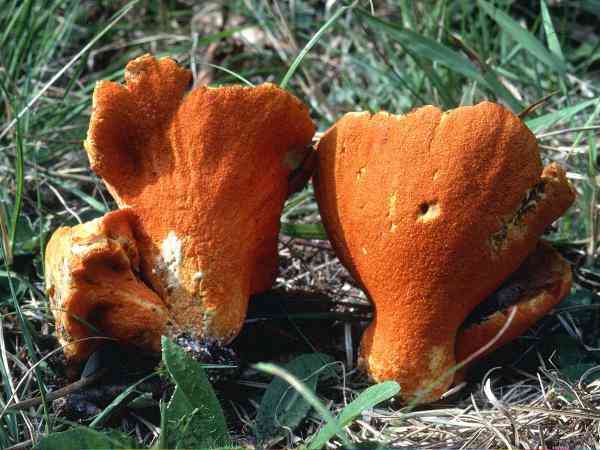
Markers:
204,173
430,212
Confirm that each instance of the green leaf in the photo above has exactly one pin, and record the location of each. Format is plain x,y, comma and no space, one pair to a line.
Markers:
283,408
81,438
523,37
194,403
177,408
574,371
304,230
539,123
308,395
367,399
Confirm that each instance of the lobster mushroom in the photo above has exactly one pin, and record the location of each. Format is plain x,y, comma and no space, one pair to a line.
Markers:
431,212
202,176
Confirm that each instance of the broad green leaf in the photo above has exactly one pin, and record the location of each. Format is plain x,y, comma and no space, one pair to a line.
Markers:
523,37
81,438
177,408
282,407
304,230
26,236
367,399
308,395
194,397
574,371
539,123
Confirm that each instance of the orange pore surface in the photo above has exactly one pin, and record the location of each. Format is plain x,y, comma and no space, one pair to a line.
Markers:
205,172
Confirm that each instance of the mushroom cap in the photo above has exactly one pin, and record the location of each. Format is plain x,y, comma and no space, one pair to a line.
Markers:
205,173
430,212
92,281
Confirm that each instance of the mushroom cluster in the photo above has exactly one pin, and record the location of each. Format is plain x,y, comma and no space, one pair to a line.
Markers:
431,212
200,178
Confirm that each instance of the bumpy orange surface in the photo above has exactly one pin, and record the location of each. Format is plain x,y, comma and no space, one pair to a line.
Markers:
430,212
205,174
91,278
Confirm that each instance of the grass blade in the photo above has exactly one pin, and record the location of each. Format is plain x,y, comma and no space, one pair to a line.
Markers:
91,201
304,230
523,37
539,123
67,66
368,398
424,46
232,73
20,178
294,66
551,36
106,412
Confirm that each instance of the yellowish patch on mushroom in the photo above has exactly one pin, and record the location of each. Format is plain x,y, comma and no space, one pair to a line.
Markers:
392,205
360,173
437,358
170,259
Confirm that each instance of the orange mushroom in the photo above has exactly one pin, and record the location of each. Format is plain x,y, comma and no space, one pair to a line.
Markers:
92,280
205,176
431,212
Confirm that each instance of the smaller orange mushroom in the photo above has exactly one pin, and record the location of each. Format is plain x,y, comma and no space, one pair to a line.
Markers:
92,274
431,212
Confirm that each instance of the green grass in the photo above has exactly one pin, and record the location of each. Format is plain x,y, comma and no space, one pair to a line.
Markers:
407,54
